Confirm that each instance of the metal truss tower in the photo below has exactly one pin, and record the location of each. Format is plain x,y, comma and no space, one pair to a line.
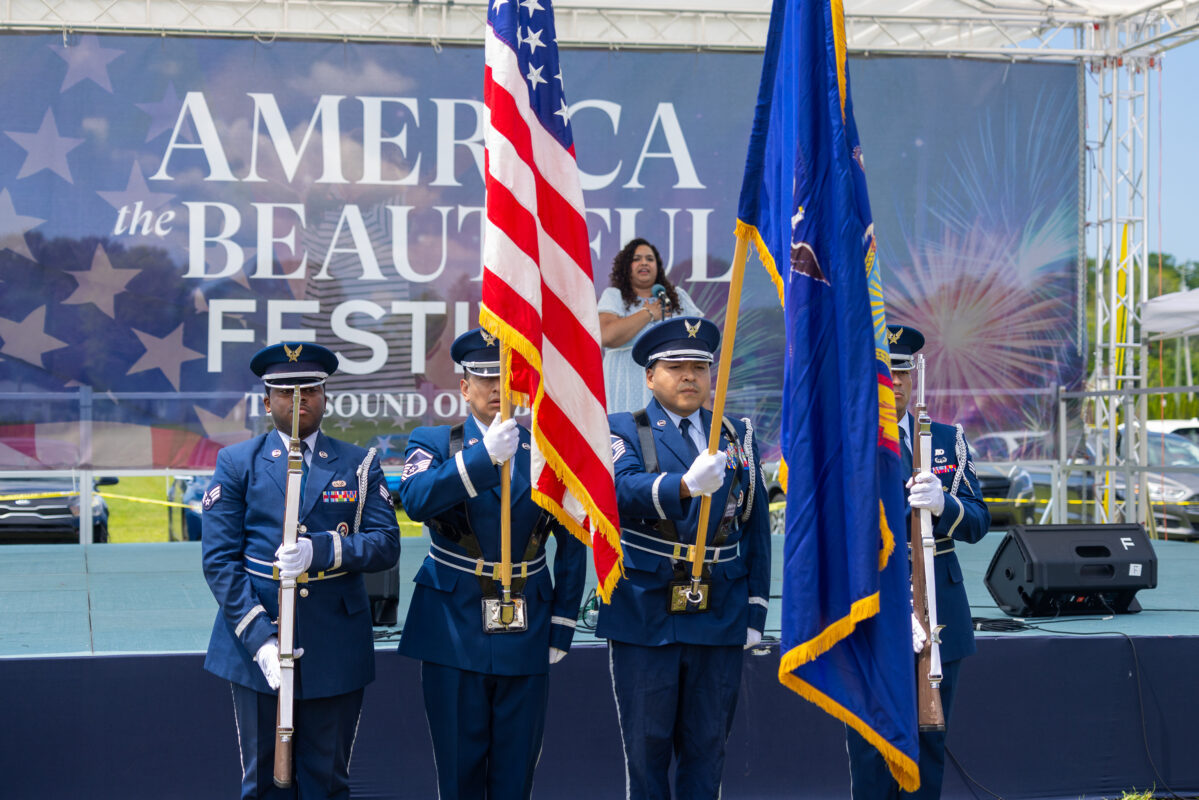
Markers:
1117,220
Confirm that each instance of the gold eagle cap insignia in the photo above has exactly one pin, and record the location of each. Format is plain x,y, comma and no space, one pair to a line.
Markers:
488,339
893,338
692,330
293,355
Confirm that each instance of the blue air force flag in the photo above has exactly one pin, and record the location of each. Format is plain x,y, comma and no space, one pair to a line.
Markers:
846,595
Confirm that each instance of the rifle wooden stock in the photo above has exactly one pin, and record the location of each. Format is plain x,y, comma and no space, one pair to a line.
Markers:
284,725
930,714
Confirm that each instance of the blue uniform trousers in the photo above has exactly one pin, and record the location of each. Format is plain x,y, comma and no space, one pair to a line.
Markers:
324,738
871,780
486,731
674,699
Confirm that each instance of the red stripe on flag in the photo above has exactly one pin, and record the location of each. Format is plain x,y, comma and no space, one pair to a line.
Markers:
560,220
505,211
567,333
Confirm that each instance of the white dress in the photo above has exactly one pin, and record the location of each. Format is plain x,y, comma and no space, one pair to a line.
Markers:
624,380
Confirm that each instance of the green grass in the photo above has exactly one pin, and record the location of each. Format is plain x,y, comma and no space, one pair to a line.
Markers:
133,521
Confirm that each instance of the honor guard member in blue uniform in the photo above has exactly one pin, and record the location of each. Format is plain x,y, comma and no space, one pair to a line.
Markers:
485,684
951,491
676,666
347,526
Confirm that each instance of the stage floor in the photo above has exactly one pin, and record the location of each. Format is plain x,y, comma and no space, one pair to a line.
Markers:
105,644
151,598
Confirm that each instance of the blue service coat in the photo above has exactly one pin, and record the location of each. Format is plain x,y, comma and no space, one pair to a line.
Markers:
740,588
445,623
243,517
965,518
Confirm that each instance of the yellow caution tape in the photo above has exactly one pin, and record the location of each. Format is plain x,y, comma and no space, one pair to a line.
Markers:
37,496
780,505
148,501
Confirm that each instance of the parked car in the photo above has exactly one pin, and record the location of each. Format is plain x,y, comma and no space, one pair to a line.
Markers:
1186,428
44,510
1004,445
1173,495
1009,493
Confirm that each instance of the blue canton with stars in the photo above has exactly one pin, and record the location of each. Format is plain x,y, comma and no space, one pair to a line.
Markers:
527,26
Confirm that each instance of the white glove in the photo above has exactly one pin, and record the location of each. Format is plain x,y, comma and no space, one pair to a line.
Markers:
502,440
753,637
706,474
926,492
556,655
919,637
293,560
268,661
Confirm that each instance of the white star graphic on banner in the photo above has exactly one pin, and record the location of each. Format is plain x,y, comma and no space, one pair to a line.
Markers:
87,61
100,284
342,424
135,190
27,340
498,4
563,112
166,354
163,115
531,6
13,227
45,149
225,430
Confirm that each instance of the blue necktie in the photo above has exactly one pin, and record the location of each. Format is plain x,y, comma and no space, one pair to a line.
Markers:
905,454
685,429
304,469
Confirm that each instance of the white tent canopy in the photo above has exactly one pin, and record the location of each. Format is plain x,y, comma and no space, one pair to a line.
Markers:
1171,316
1009,29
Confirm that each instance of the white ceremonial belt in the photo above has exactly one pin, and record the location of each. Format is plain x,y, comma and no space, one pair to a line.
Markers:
675,550
267,569
482,568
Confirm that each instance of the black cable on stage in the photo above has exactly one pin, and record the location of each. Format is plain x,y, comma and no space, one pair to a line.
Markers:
390,634
1140,695
962,771
998,624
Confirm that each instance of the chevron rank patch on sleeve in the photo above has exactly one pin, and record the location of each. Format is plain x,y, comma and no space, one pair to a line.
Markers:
211,497
418,461
617,447
386,495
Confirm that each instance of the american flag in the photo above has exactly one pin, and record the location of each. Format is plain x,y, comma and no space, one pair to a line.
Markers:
538,289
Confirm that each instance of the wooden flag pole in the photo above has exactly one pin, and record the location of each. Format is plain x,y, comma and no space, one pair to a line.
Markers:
506,607
722,383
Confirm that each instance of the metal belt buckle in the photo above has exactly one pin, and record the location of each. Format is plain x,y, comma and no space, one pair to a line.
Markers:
493,615
681,601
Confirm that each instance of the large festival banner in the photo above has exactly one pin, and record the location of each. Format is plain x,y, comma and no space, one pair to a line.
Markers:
168,205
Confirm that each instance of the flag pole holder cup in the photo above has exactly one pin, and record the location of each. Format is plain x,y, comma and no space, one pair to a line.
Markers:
687,597
501,617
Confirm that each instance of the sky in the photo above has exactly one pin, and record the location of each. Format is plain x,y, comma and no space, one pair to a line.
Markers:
1172,223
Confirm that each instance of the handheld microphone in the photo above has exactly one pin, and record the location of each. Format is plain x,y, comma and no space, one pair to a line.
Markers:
659,293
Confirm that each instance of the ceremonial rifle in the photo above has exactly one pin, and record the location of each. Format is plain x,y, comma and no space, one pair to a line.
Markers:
931,716
284,725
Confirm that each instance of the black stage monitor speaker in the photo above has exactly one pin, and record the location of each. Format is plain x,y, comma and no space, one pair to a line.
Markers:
1056,570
